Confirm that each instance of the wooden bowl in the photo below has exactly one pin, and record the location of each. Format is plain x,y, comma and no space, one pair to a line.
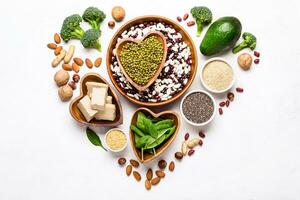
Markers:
119,47
186,38
78,116
164,115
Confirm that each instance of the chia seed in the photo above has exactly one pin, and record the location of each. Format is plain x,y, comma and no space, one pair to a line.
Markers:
198,107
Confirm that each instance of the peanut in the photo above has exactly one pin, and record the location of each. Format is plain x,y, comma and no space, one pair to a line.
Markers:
69,54
59,58
184,148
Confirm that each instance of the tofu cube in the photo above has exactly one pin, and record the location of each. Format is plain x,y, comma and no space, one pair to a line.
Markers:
109,99
91,85
84,106
109,113
98,98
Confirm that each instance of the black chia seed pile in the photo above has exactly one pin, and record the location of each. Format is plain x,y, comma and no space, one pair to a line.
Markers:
198,107
175,73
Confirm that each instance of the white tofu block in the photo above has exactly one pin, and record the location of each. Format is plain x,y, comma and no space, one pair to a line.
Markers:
84,106
109,113
91,85
98,98
109,99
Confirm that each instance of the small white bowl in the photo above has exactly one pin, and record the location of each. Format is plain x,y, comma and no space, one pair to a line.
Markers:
193,123
107,146
208,88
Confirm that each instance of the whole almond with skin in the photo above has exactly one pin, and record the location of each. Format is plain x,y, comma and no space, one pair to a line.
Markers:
172,166
52,46
137,176
155,181
98,62
57,39
78,61
67,67
75,67
149,174
58,50
88,63
147,184
128,170
160,173
134,163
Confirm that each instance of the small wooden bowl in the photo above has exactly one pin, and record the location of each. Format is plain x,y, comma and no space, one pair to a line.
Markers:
78,116
185,37
164,115
120,46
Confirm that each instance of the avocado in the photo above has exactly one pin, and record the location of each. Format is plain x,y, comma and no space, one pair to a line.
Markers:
221,35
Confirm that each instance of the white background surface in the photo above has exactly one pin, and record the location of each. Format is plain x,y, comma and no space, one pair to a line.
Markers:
251,152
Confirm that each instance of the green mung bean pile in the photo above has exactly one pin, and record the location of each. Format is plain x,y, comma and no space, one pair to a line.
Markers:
141,61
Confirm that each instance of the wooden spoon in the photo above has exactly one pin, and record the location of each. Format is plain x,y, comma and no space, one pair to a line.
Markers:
120,46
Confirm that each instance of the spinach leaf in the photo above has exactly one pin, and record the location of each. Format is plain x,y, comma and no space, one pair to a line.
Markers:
170,131
94,138
142,141
140,121
136,130
150,128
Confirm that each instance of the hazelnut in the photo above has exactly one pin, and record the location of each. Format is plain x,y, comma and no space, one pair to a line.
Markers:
76,78
118,13
111,24
245,61
162,164
61,77
72,84
65,92
178,155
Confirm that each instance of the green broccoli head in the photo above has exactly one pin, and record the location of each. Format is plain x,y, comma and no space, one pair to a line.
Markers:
249,41
71,28
94,17
90,39
203,17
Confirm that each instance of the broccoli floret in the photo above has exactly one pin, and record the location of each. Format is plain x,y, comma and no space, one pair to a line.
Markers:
71,28
249,41
94,17
90,39
203,17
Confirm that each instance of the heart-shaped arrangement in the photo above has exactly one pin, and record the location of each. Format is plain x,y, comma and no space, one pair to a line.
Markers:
78,116
147,157
135,62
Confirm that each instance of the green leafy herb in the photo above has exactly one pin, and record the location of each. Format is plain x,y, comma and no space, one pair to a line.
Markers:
94,138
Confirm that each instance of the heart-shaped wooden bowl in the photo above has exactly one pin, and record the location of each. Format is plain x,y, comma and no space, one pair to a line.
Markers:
164,115
123,42
185,37
78,116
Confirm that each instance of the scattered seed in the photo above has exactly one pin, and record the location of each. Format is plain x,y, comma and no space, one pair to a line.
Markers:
200,142
88,63
128,170
122,161
149,174
67,67
78,61
256,53
147,184
179,19
191,23
201,134
160,173
222,104
57,39
178,155
75,67
227,103
98,62
155,181
230,96
172,166
185,16
137,176
191,152
134,163
162,164
58,50
72,84
220,111
256,61
186,136
76,78
238,89
52,46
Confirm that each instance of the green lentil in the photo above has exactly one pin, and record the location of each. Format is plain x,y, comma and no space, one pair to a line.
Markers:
141,61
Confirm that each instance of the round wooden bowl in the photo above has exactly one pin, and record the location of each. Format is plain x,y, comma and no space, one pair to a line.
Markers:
185,37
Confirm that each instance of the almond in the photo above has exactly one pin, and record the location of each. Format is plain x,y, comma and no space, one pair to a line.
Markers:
98,62
147,184
155,181
67,67
78,61
149,174
57,39
172,166
58,50
75,67
128,170
160,173
88,63
137,176
134,163
52,46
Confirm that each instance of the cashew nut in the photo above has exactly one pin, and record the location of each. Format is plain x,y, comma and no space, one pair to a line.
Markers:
59,58
193,142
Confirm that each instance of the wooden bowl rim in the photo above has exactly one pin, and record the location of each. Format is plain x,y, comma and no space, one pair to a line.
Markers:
172,138
81,95
192,47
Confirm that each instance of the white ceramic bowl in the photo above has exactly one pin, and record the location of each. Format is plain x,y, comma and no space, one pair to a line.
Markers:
208,88
193,123
107,146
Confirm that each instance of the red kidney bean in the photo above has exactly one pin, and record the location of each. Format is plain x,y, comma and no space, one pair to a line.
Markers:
179,19
256,61
201,134
238,89
191,152
191,23
230,96
220,111
222,104
257,54
186,136
185,16
227,103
